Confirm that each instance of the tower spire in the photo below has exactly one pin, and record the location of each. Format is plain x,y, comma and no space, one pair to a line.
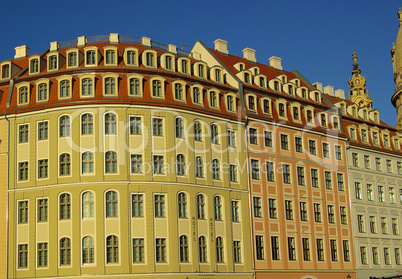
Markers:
358,92
396,55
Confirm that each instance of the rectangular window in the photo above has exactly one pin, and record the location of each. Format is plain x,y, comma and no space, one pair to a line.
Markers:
355,160
363,255
157,127
386,256
158,164
232,173
344,220
367,161
328,180
42,210
286,173
372,224
268,138
334,250
42,254
395,230
22,212
159,205
338,152
257,207
231,138
381,193
270,172
23,171
325,150
236,252
135,125
375,255
306,249
235,211
292,248
378,164
22,255
289,210
275,248
259,247
391,195
23,133
137,205
331,214
160,250
272,208
138,250
341,185
389,166
317,212
384,228
312,147
369,192
320,250
255,169
43,168
358,190
397,256
136,163
303,211
253,136
314,178
300,176
399,167
360,223
43,130
284,142
299,145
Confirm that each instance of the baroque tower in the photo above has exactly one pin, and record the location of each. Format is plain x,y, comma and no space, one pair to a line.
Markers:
396,55
358,93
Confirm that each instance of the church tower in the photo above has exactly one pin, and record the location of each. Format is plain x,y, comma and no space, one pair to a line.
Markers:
396,55
358,93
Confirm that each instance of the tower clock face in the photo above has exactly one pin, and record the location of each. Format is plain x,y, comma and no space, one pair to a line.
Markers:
357,81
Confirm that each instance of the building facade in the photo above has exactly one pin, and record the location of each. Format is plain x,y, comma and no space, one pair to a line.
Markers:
119,164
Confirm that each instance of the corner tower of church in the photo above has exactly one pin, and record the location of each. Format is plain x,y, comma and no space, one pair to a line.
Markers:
396,55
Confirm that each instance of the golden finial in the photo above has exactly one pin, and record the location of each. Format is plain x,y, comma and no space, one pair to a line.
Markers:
355,64
399,14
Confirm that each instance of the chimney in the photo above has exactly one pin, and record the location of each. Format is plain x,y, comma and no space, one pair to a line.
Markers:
221,46
114,38
81,41
340,93
21,52
329,90
172,48
54,46
146,41
275,62
249,54
318,86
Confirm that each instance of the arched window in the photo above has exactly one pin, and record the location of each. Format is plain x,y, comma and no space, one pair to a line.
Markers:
251,103
88,250
304,93
218,208
196,95
65,88
111,162
200,206
246,78
281,110
197,130
182,205
87,87
215,169
112,249
183,249
214,133
111,204
219,250
276,86
87,162
180,165
179,127
178,91
64,206
135,86
87,124
64,126
290,90
87,205
199,167
202,247
110,123
65,164
42,94
131,57
23,95
110,86
156,88
65,251
266,107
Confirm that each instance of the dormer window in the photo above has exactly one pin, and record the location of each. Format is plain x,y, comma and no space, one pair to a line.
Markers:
42,92
196,95
251,103
365,114
213,99
376,117
323,120
34,66
178,91
53,62
375,137
255,71
290,89
131,57
343,108
184,66
336,123
72,59
246,78
150,57
276,86
309,116
297,83
396,143
262,82
229,102
201,70
386,141
23,95
296,113
317,96
283,80
281,108
218,77
266,107
354,112
169,62
91,57
5,71
304,93
110,57
241,67
364,136
352,133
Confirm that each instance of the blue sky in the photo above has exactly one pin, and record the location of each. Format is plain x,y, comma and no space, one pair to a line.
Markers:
316,38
